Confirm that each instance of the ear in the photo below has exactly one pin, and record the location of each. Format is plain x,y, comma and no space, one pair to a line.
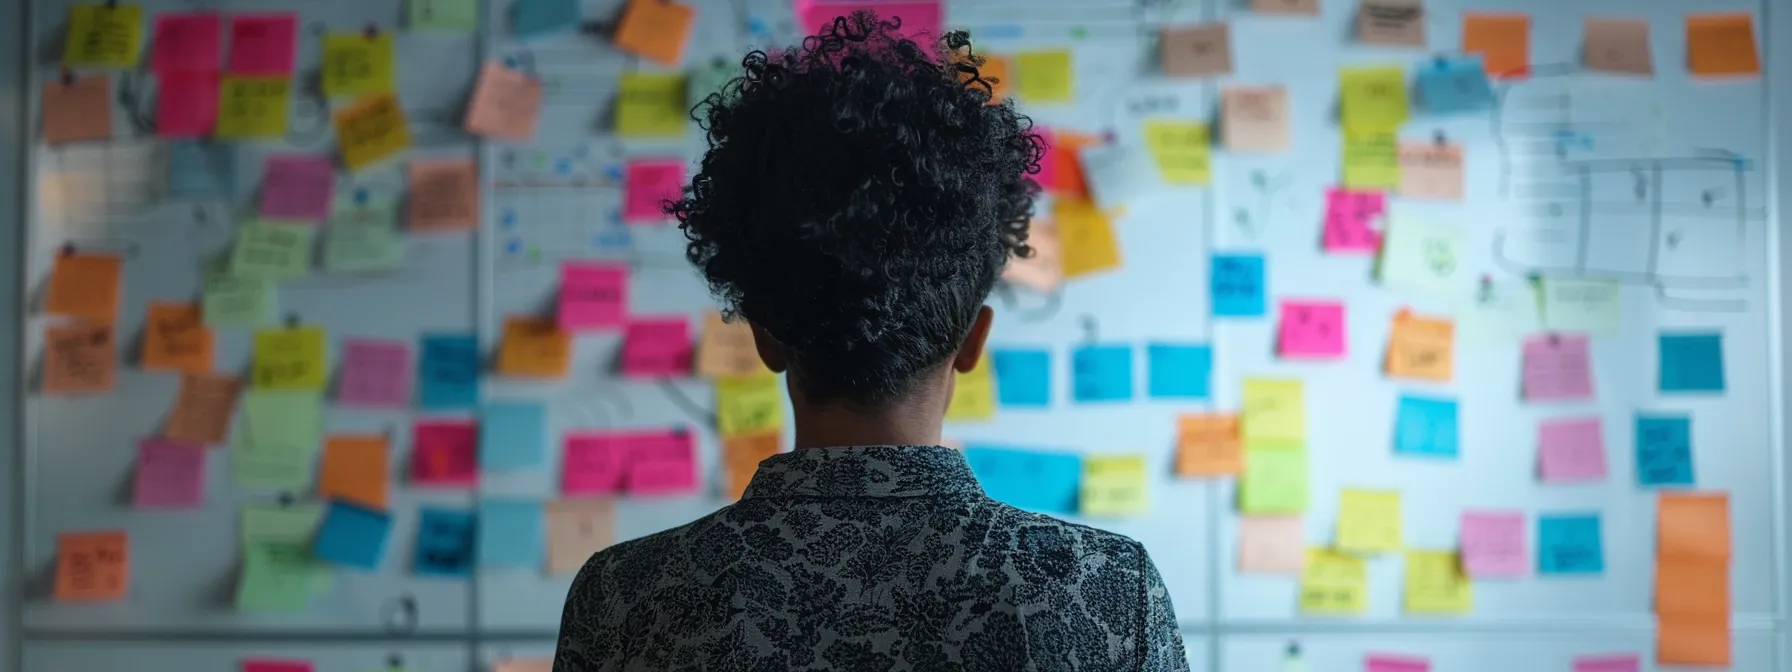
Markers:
770,351
971,350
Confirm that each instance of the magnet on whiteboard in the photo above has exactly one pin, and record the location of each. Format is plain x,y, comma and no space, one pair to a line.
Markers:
361,196
68,249
372,31
394,661
292,320
68,77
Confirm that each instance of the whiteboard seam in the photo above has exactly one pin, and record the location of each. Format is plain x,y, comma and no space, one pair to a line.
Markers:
1771,28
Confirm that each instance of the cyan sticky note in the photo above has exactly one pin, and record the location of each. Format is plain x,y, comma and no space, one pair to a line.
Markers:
444,543
1023,377
201,170
512,533
352,536
1692,362
513,435
448,372
1570,543
1426,427
530,18
1036,480
1236,285
1664,449
1450,84
1179,371
1101,373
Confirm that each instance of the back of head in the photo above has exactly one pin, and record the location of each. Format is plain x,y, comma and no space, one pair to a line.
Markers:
857,203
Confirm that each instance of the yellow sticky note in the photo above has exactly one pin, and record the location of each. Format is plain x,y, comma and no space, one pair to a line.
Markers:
1275,481
1374,98
252,107
974,396
1436,584
1114,485
1275,413
357,64
1333,583
102,35
1371,159
749,405
1182,149
290,359
1369,521
1087,236
371,130
1045,76
651,105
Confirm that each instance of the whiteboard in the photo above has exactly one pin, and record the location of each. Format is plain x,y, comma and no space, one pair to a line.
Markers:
219,657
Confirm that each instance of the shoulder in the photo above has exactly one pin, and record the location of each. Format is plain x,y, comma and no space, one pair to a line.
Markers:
635,565
1037,531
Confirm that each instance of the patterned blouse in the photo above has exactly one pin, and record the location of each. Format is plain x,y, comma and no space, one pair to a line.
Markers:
870,558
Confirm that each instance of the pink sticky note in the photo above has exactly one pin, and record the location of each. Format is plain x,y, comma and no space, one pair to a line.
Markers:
647,184
1557,368
595,463
1616,662
186,104
1382,662
661,463
1311,329
263,44
297,187
1350,217
274,665
1570,450
592,295
376,373
187,42
657,348
445,453
1048,173
921,21
1493,544
170,475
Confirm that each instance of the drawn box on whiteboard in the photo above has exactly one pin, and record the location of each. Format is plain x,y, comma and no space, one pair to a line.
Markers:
1655,219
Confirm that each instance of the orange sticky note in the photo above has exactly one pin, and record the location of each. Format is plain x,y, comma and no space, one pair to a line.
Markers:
655,29
741,457
995,71
534,348
77,109
1693,641
726,350
1066,168
355,468
1502,40
203,408
1692,589
92,566
85,286
175,338
79,359
1207,444
1692,525
1043,271
1421,348
444,195
1722,45
506,105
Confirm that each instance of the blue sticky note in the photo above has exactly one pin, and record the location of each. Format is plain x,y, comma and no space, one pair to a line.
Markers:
513,435
448,372
1042,481
352,536
512,533
1664,449
1179,371
1450,84
1023,377
530,18
1570,544
1101,373
201,170
1692,362
444,543
1426,427
1237,285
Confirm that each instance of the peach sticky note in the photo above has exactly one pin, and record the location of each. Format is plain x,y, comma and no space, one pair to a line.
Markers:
175,338
506,105
79,359
444,195
742,454
656,30
85,285
1692,525
1207,444
1722,45
577,528
355,468
1254,119
1272,544
593,295
646,184
92,566
534,348
1421,348
1431,171
1311,330
656,348
1044,271
77,109
1503,41
203,408
1617,45
726,350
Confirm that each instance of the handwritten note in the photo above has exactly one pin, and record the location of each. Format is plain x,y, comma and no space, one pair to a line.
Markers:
512,533
297,188
1236,285
576,530
1664,450
1691,362
513,435
1594,306
1617,46
749,405
647,183
232,301
1311,330
1436,584
290,358
651,105
1275,413
376,373
103,36
1421,348
656,348
1045,76
1557,367
445,543
594,463
1431,171
359,63
1037,480
1182,150
79,359
973,393
445,453
175,338
1722,45
371,130
593,295
263,44
1271,544
170,475
1493,544
444,195
1570,450
1454,84
1353,221
726,350
1374,99
1424,257
202,409
364,237
1371,159
1570,543
1369,521
352,536
1089,242
661,462
1207,444
355,469
1254,119
272,251
77,109
1426,427
92,566
86,286
1502,40
1114,485
1333,584
655,30
1203,50
1023,377
252,107
448,372
1274,482
1101,373
534,348
1398,23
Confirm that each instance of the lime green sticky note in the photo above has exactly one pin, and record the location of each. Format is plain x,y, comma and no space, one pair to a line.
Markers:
1423,257
446,15
290,358
1275,413
107,35
1114,485
1374,98
276,577
232,301
358,63
651,105
1369,521
1182,149
1371,159
282,420
1045,76
270,523
272,250
364,237
270,469
1275,481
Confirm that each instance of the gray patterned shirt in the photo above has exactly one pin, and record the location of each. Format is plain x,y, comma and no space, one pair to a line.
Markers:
870,558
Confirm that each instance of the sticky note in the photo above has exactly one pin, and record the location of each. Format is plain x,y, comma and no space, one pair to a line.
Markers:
593,295
1207,444
279,578
444,195
506,104
1426,427
1693,640
270,469
252,107
376,373
263,44
594,463
1436,584
921,19
1101,373
1493,544
741,456
445,453
1023,377
1182,149
1570,543
1594,306
290,358
1454,84
1369,521
655,30
442,15
273,523
1275,413
272,665
1311,330
534,348
364,237
1502,40
646,184
103,35
1236,283
1061,171
709,77
661,462
1382,662
1431,171
1293,7
1664,449
232,301
534,18
352,536
1618,662
170,475
973,393
726,350
1423,257
749,405
651,105
356,468
513,435
297,187
1353,221
576,530
186,104
1617,46
1271,544
1333,584
1570,450
995,72
1421,348
1114,485
284,420
1722,45
448,372
1691,363
1045,76
85,286
1374,99
1692,526
1557,367
1254,119
1274,482
92,566
76,109
371,130
1202,50
511,533
1371,159
656,348
79,359
1399,23
358,63
202,409
445,543
1089,242
271,250
187,41
175,338
1043,481
1179,371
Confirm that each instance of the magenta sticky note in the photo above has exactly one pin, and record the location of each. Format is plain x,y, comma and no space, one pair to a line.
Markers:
1493,544
376,373
1352,220
186,104
656,348
276,665
297,187
187,42
445,453
170,475
1570,450
661,463
1311,329
263,44
593,295
1613,662
1383,662
1557,367
920,20
1048,171
647,183
594,463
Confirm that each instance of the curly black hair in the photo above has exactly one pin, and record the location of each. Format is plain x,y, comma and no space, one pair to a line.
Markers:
858,199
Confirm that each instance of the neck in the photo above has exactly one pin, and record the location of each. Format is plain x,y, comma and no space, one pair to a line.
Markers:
913,421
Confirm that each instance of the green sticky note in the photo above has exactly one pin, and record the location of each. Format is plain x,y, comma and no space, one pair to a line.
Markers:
277,577
364,237
1275,481
1424,257
1593,306
451,15
272,250
1371,159
265,470
268,523
232,301
1374,98
651,105
281,420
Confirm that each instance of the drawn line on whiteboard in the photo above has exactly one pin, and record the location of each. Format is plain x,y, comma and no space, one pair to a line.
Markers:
687,405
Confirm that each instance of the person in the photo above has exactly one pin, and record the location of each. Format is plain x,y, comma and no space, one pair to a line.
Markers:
856,205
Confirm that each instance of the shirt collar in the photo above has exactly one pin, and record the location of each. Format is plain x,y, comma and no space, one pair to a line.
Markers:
864,471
